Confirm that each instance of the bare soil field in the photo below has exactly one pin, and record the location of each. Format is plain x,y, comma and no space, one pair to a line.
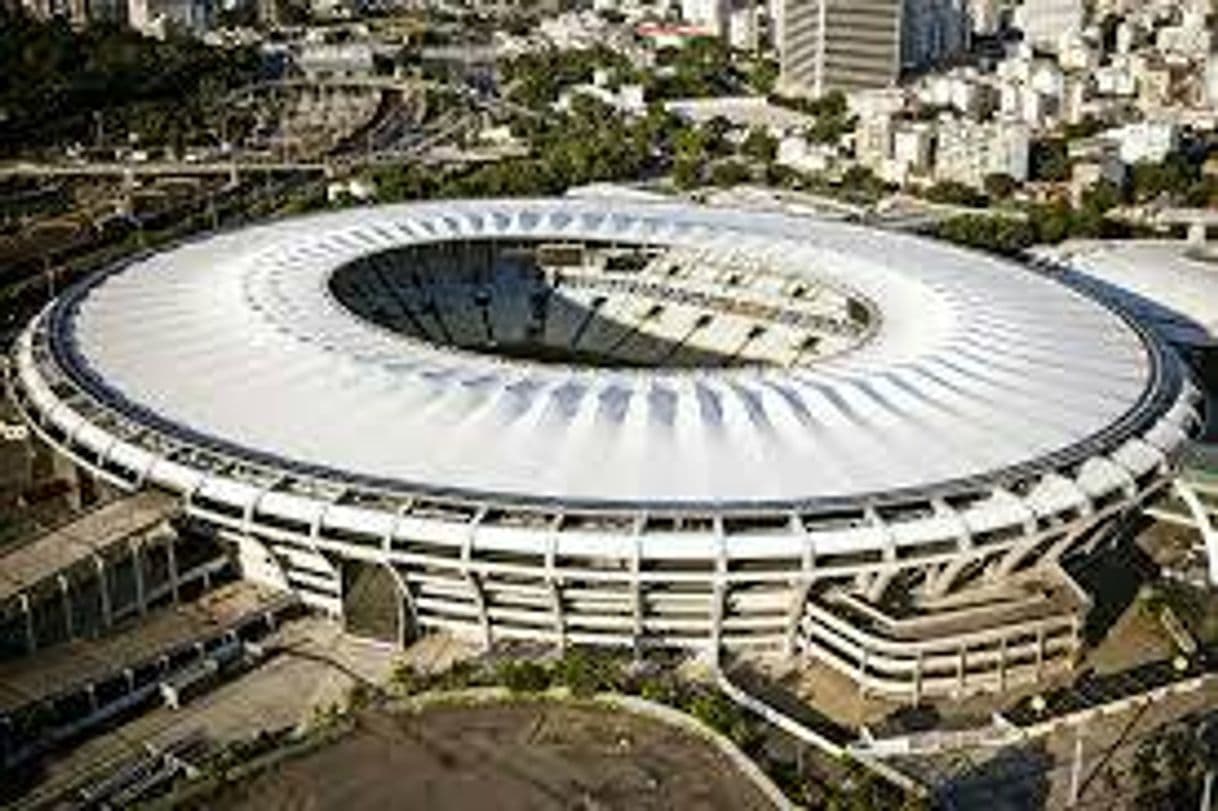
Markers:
540,755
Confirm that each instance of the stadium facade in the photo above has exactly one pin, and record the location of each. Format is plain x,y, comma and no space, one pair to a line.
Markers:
631,424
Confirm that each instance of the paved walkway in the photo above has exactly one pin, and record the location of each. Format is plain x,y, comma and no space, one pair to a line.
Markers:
312,665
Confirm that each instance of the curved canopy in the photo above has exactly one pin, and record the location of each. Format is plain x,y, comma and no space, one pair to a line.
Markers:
976,365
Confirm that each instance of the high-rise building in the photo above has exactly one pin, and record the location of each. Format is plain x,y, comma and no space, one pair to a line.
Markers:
862,44
933,31
840,44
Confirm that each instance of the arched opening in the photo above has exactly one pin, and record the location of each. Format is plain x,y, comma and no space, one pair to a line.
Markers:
374,606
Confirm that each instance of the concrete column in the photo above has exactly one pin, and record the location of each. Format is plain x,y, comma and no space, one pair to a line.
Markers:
1013,557
803,589
171,555
1002,663
1058,549
560,624
475,584
1040,651
65,594
719,600
636,568
31,640
556,606
795,612
879,584
103,590
1209,532
861,672
941,583
863,581
137,567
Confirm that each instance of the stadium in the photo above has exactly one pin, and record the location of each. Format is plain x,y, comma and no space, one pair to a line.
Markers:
632,424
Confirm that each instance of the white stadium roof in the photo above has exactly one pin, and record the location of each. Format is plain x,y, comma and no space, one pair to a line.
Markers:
1169,285
976,367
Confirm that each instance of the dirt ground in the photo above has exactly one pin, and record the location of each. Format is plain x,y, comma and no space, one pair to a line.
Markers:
506,756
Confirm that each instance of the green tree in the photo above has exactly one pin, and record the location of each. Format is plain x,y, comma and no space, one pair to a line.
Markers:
1000,186
524,676
1171,178
730,173
956,193
1049,160
58,84
586,672
763,76
759,145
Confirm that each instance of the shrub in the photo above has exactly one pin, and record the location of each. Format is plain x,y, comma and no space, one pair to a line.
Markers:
585,672
524,676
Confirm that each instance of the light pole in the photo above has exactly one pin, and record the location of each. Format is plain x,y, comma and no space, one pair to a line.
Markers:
1207,734
1076,769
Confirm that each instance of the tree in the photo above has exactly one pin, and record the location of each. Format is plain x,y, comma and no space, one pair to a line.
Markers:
715,132
759,145
524,676
862,182
999,234
829,129
686,173
1000,186
586,672
832,103
956,193
1171,178
1051,222
730,173
763,76
703,67
55,82
1049,160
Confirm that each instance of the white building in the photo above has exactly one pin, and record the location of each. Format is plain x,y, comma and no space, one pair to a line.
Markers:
323,59
968,152
1116,79
711,15
795,152
963,90
1144,141
1045,22
742,112
984,17
744,27
910,153
1188,41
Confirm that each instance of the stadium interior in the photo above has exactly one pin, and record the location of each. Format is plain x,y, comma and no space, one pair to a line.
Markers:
602,305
